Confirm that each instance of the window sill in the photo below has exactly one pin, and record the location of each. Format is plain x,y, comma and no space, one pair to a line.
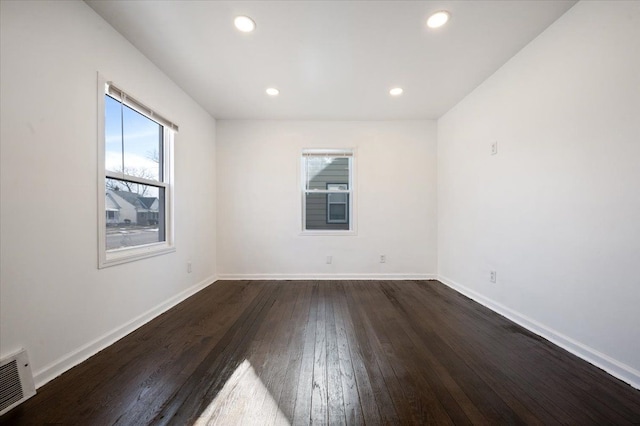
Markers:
329,233
118,257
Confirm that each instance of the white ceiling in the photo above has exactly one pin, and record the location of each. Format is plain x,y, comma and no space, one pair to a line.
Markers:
331,60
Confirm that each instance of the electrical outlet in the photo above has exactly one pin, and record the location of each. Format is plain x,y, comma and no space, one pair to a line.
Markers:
383,258
188,267
329,260
493,275
494,148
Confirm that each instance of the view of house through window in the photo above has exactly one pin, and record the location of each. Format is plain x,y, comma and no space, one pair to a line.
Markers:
337,203
134,213
137,172
327,191
134,198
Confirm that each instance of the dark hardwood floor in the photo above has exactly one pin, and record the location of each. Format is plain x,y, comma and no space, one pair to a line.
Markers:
331,352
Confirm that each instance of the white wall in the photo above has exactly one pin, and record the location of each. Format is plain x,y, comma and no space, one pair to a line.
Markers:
557,212
54,300
259,200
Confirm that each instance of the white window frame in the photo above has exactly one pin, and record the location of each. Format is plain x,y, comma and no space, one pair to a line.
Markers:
106,257
349,153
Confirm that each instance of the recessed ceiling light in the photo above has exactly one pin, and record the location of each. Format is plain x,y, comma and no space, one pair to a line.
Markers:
272,91
244,24
438,19
396,91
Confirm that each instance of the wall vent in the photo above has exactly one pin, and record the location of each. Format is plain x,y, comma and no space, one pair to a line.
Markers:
16,381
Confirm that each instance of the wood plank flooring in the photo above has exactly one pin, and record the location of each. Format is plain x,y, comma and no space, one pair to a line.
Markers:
331,352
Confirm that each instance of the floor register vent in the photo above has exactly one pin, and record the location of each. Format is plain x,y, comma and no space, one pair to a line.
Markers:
16,381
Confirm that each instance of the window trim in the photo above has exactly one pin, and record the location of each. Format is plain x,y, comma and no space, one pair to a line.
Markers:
106,257
352,191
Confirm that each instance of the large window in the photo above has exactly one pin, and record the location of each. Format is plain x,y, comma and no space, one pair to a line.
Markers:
327,191
135,181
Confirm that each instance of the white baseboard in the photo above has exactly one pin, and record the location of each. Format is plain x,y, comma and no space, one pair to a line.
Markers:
612,366
79,355
235,277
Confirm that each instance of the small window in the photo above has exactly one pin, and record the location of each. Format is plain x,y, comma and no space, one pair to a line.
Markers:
135,190
327,191
337,203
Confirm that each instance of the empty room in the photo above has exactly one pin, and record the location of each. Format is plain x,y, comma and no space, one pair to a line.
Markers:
319,212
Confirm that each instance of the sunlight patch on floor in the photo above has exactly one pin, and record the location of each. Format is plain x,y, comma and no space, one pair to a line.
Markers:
244,400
